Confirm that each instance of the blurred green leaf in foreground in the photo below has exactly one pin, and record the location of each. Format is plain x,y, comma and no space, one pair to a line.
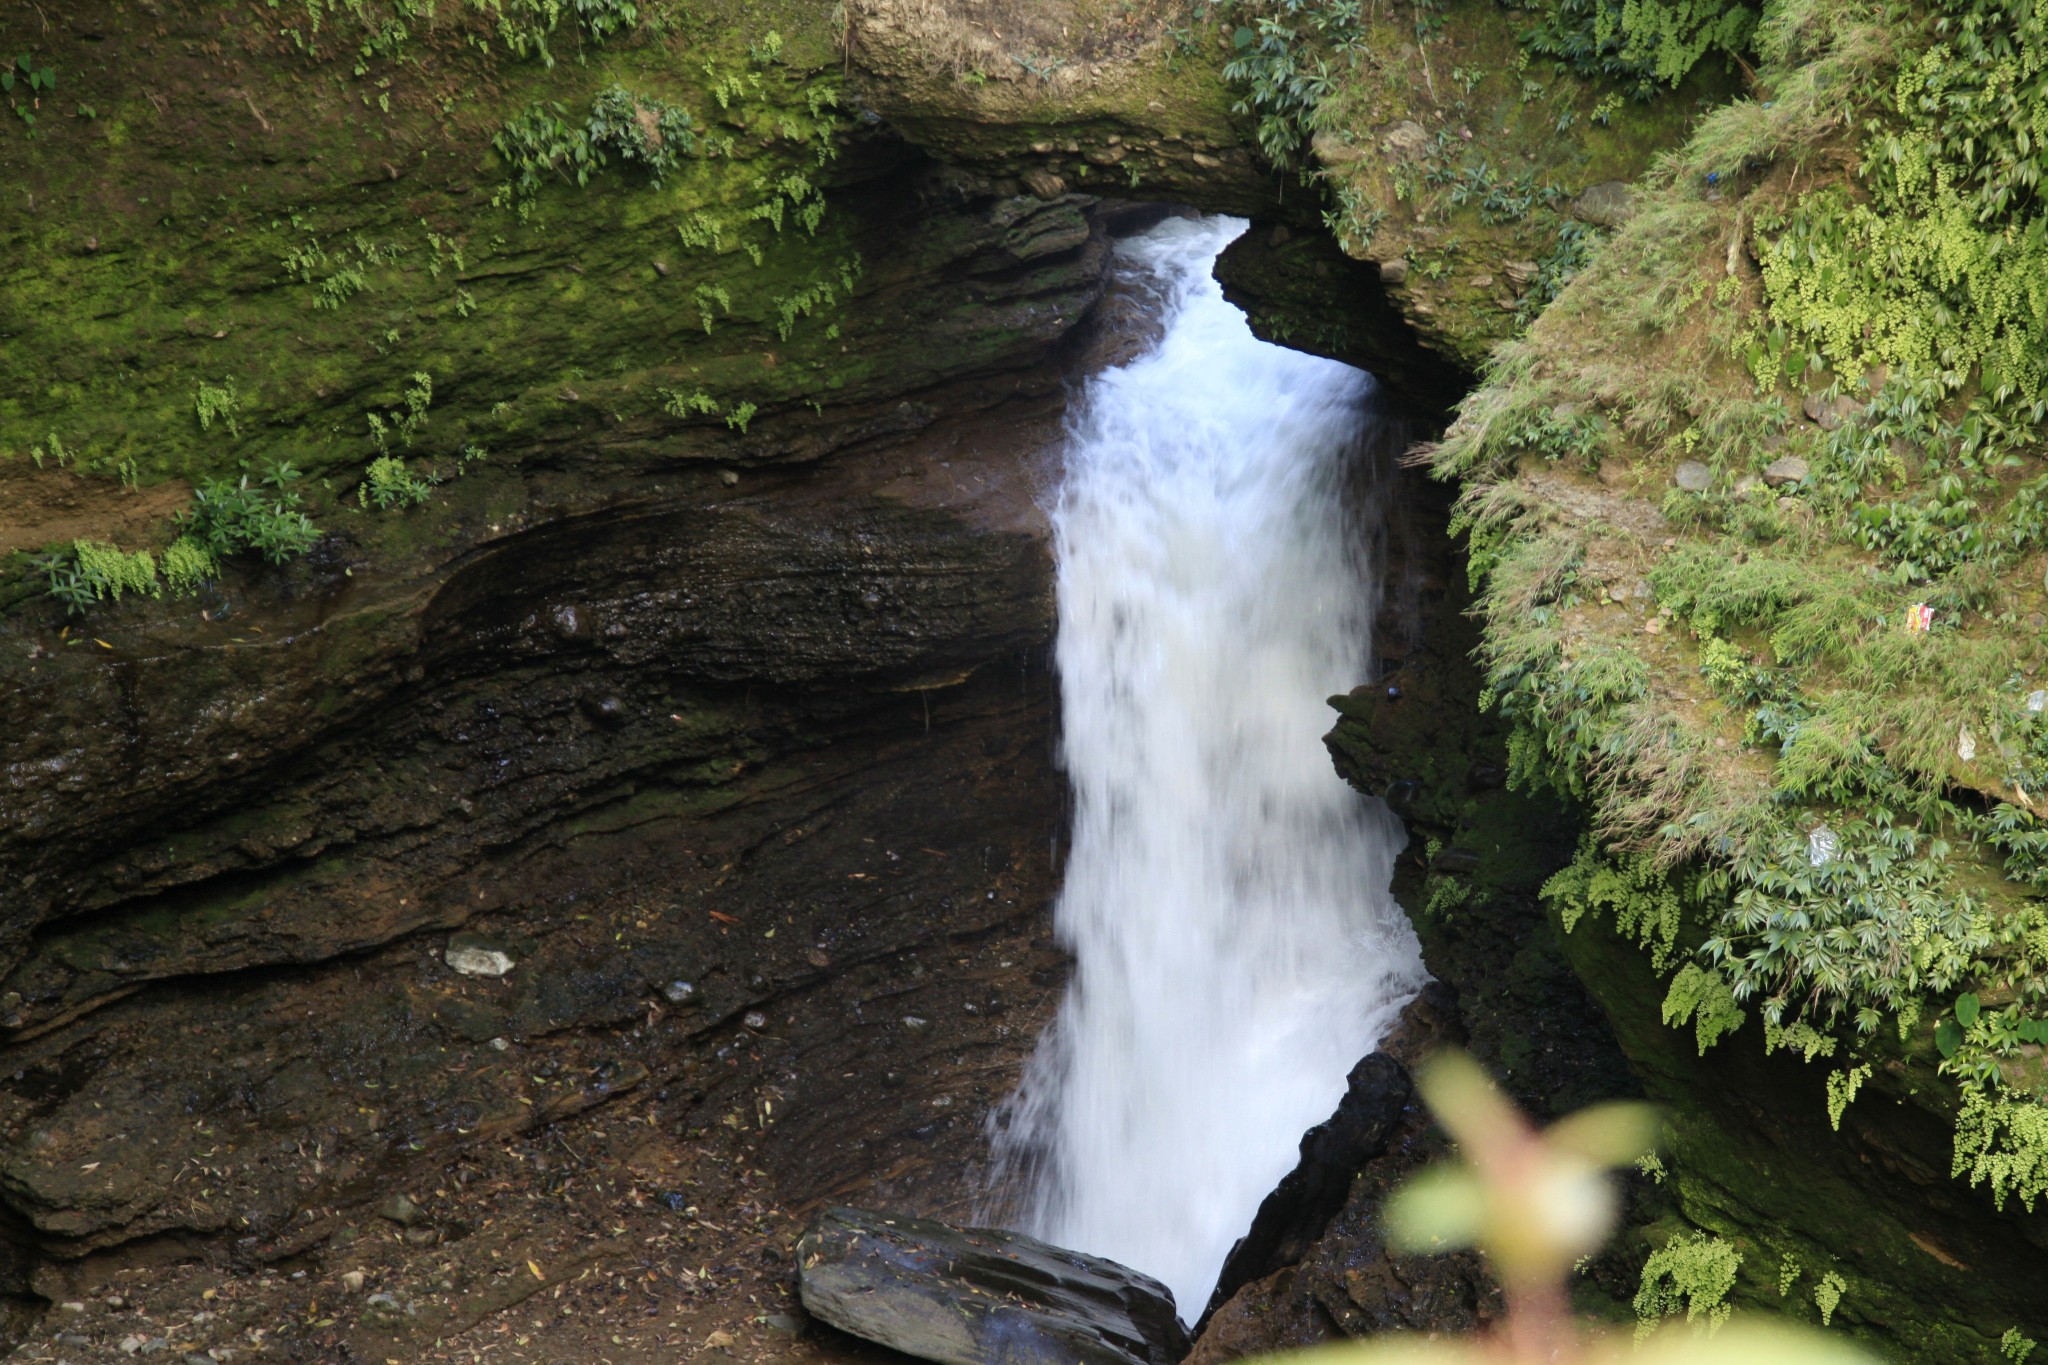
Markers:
1534,1203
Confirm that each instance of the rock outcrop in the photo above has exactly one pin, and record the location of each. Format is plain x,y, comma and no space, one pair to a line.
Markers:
977,1296
1293,1216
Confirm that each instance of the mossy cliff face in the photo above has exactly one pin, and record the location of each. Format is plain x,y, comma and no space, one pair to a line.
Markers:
1567,1016
1758,559
705,686
721,344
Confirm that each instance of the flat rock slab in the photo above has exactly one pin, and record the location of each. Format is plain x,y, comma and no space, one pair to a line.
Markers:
978,1296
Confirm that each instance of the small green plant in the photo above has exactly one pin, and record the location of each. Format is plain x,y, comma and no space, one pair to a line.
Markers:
622,126
186,565
820,292
90,571
2016,1345
217,402
1649,47
639,129
33,81
741,414
676,403
708,294
1827,1296
401,423
701,230
1789,1271
1842,1088
1691,1272
231,517
389,483
51,446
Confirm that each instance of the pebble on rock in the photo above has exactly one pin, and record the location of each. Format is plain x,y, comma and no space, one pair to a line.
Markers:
400,1209
1786,469
472,955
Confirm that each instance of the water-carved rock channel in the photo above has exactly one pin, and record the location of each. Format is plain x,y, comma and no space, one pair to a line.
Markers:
1226,900
609,1017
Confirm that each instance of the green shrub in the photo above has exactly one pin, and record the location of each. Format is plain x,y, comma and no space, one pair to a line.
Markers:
631,129
1647,45
1277,64
1691,1273
86,572
388,483
186,565
231,517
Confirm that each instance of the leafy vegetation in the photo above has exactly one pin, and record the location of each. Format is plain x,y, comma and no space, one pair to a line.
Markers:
542,141
30,82
1646,45
1285,76
1691,1273
380,29
90,571
1815,744
231,517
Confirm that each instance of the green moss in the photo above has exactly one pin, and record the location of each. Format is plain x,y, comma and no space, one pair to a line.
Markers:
1818,724
233,317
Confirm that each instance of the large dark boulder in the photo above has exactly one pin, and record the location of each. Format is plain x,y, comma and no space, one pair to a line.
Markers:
1294,1215
978,1296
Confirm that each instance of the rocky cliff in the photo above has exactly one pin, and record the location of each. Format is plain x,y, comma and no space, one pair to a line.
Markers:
585,459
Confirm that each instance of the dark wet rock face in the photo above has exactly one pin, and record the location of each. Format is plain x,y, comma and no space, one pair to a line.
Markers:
1298,288
1334,1276
976,1296
1294,1215
636,781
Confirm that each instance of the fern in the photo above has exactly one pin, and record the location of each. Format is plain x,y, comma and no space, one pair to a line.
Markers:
1692,1273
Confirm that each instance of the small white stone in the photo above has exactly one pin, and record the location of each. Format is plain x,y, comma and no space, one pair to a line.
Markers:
2037,701
1966,744
473,961
352,1281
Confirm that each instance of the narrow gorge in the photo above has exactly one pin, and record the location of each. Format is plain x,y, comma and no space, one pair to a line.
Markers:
629,627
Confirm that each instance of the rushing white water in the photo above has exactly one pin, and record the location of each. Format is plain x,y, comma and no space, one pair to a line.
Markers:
1226,895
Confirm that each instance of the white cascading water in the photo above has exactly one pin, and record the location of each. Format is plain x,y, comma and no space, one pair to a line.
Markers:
1236,948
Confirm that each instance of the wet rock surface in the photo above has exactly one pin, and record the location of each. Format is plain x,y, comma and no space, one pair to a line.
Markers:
974,1296
1294,1215
1342,1280
1297,287
657,857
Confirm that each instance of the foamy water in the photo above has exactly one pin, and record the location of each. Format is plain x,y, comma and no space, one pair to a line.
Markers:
1226,896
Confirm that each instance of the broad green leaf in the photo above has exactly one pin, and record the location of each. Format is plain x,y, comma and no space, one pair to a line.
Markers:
1967,1009
1948,1036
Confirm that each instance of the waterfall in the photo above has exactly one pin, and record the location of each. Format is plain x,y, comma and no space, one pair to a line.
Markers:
1236,949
